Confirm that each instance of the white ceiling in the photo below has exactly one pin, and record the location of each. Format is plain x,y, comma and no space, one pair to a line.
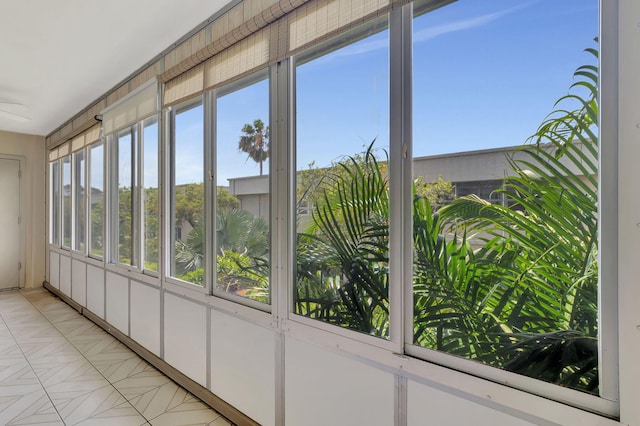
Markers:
57,57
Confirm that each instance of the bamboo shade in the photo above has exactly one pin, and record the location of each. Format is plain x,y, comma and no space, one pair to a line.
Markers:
322,18
243,57
270,36
184,86
136,106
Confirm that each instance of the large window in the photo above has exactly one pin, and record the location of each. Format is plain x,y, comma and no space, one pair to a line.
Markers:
79,191
436,207
510,284
126,155
137,204
242,193
67,206
342,139
96,199
54,203
188,230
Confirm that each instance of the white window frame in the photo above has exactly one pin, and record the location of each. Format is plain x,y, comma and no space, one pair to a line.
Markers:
90,236
76,203
401,268
607,403
63,160
211,112
54,187
169,193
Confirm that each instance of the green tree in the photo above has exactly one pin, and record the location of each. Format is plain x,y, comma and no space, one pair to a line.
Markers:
255,142
151,228
342,258
125,228
189,203
97,222
439,192
226,200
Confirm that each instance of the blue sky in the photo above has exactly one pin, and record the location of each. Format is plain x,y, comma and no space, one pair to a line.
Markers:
486,73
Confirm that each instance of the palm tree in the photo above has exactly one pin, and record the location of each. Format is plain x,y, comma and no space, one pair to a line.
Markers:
242,257
255,142
526,301
342,275
523,297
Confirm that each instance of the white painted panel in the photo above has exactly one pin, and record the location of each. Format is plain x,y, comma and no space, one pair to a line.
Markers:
323,388
243,366
145,316
118,302
429,406
79,282
54,269
65,275
185,337
95,290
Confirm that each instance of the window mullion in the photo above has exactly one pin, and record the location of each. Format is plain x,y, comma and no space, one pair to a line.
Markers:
210,190
400,218
139,232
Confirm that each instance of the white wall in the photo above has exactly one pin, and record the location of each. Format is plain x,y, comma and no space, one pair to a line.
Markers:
185,337
33,149
323,388
54,269
313,378
79,283
95,290
117,295
243,366
145,316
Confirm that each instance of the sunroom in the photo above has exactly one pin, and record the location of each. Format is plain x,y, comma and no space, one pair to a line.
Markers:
358,212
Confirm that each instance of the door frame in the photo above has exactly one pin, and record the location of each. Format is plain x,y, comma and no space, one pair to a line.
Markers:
21,209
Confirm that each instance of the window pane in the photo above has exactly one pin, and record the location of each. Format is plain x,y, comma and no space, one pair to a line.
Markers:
66,202
187,237
54,199
242,206
342,123
80,204
126,196
96,183
506,272
150,194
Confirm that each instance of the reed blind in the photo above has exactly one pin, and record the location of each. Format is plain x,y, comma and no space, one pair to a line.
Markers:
85,138
279,31
136,106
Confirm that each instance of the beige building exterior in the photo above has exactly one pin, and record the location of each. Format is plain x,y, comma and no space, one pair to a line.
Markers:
479,172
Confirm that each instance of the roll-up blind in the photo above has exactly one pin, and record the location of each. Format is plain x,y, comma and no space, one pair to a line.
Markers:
60,151
245,56
78,142
53,154
233,36
92,135
184,86
85,138
136,106
322,18
281,30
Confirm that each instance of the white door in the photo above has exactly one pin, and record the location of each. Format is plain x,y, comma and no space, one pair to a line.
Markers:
9,223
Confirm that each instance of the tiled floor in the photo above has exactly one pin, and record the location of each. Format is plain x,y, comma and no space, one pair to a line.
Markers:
58,368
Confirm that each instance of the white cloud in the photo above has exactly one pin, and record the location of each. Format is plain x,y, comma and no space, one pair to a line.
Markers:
433,32
464,24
